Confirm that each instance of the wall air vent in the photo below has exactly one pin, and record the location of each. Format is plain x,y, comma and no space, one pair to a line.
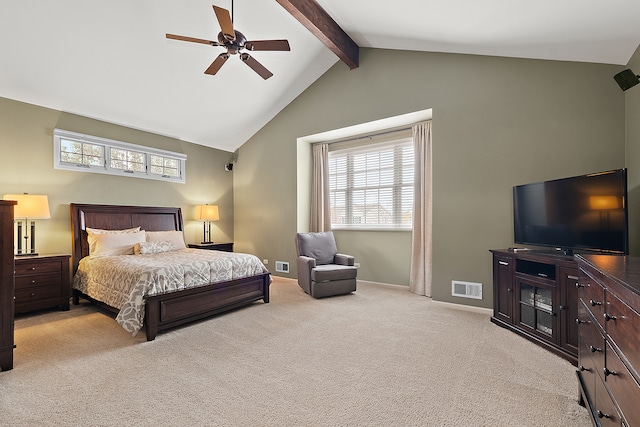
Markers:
282,267
466,289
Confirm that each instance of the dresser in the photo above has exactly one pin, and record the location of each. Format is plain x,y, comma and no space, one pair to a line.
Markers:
6,284
609,338
41,282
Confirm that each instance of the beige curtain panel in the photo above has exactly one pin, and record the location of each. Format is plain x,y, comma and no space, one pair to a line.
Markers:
421,251
320,209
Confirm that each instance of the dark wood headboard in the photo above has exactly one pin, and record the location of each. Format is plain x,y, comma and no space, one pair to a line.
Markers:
114,217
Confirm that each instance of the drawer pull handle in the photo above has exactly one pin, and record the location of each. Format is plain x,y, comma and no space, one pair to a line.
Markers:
578,285
578,321
582,368
572,277
33,282
32,294
503,263
563,307
602,414
32,269
509,290
594,303
608,317
542,275
594,349
607,372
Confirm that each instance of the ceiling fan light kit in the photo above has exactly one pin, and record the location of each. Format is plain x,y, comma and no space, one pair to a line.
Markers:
234,41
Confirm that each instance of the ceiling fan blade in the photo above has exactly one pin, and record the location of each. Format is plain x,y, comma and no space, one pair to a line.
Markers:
256,66
217,64
191,39
224,19
267,45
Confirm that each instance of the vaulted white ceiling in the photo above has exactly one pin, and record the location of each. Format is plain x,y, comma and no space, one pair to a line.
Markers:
111,61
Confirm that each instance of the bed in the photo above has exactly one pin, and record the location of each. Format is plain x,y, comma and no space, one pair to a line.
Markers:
164,309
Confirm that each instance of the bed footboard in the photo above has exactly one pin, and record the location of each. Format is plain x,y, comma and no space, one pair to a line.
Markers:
171,309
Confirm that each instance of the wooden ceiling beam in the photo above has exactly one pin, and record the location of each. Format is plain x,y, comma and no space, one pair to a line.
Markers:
317,20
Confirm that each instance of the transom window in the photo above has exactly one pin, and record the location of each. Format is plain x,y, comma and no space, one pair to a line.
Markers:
371,185
74,151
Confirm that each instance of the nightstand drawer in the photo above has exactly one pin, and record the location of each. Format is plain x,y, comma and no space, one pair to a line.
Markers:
37,266
23,282
36,293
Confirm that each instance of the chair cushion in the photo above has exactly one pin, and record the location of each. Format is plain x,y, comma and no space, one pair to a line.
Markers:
321,246
326,272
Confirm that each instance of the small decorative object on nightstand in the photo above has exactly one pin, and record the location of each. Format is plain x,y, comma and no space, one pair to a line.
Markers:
41,282
225,247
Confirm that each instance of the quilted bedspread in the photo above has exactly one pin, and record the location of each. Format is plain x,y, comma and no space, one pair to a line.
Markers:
123,281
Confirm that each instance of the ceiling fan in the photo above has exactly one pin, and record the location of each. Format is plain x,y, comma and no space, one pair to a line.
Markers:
234,41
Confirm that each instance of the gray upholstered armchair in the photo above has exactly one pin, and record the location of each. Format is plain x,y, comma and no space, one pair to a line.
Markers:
322,271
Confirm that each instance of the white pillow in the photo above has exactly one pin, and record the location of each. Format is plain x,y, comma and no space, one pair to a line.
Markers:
153,247
174,236
92,242
107,244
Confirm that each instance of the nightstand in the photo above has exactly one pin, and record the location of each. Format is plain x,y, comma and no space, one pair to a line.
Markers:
225,247
42,281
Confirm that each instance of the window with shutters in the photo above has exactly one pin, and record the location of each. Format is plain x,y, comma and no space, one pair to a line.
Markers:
371,185
86,153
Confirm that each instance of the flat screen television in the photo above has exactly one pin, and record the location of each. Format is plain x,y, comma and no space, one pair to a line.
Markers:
581,213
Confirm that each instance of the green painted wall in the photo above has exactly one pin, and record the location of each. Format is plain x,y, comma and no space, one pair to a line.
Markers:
497,122
26,166
632,128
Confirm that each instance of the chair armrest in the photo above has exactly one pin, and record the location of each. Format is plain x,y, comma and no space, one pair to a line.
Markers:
305,264
343,259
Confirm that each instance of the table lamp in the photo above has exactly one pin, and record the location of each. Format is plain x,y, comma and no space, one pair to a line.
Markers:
207,213
29,208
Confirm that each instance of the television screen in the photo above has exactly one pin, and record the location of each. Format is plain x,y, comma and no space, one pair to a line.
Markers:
587,212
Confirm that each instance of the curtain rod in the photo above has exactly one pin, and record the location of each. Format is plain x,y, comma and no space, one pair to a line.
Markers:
367,136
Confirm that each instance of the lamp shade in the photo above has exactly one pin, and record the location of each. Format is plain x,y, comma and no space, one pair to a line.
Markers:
31,206
207,213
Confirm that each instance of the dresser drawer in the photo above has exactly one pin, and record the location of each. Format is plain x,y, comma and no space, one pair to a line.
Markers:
592,293
37,266
593,341
605,409
623,328
36,293
23,282
623,386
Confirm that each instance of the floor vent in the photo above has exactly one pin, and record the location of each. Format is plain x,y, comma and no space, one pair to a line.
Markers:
282,267
466,289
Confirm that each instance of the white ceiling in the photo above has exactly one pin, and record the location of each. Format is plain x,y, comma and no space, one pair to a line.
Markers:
111,61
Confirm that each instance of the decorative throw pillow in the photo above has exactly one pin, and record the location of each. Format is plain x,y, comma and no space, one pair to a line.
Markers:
174,236
107,244
153,247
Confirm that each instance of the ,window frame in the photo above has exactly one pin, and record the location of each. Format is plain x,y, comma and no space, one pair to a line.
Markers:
144,156
397,167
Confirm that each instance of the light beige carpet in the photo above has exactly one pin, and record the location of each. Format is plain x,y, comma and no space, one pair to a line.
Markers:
379,357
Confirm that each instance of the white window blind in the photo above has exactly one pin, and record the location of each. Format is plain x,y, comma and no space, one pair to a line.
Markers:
371,185
86,153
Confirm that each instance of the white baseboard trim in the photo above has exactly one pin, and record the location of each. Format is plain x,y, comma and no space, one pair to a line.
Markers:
481,310
391,285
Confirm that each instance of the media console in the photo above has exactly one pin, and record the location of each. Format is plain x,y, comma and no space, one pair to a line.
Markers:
535,294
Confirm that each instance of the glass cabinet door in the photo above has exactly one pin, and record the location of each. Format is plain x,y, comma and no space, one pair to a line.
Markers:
535,304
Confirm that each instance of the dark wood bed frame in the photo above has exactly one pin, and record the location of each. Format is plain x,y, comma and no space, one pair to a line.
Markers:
169,309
